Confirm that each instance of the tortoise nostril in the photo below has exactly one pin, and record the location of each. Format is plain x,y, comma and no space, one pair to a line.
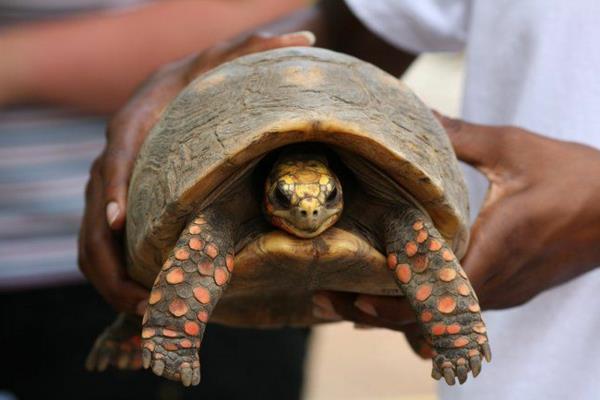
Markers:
315,212
303,212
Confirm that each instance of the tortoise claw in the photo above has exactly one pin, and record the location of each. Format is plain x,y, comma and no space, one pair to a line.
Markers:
449,376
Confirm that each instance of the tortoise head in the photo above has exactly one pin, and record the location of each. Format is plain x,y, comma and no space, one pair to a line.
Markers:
302,195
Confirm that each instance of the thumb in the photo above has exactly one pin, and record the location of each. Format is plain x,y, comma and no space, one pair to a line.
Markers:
477,145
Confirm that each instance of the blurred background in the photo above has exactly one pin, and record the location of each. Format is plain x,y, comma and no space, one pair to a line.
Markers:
64,66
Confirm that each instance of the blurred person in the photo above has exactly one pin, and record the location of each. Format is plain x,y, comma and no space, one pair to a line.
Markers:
64,64
534,251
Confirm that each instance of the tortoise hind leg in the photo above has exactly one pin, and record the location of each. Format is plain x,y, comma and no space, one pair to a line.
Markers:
439,292
184,294
119,345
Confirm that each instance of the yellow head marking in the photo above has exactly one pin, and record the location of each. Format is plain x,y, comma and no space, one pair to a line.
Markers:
303,196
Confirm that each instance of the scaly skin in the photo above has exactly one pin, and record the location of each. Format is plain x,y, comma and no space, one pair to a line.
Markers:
439,291
118,346
184,294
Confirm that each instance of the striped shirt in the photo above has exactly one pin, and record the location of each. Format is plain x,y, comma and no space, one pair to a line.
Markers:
45,158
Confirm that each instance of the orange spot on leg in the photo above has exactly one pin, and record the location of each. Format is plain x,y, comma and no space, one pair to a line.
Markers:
185,343
426,316
155,296
202,294
474,307
169,333
435,245
148,333
453,329
196,244
167,264
447,255
203,316
461,342
479,328
403,273
191,328
422,236
463,289
221,276
211,250
446,304
420,263
182,254
229,262
438,329
418,225
206,268
392,261
175,276
481,339
411,249
423,292
178,307
447,274
195,229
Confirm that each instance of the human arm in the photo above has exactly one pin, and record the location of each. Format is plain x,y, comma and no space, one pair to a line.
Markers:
92,62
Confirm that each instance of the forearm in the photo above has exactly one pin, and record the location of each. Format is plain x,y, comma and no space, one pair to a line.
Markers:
94,62
336,28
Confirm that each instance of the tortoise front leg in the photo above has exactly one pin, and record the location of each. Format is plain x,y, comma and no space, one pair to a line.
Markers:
184,294
439,292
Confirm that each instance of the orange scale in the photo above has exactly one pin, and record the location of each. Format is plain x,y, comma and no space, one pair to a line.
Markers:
423,292
420,263
422,236
435,245
178,307
446,304
447,274
426,316
392,261
148,333
229,262
182,254
195,229
403,273
438,329
474,307
155,296
211,250
203,316
221,276
461,342
411,249
463,289
447,255
169,333
453,329
175,276
202,294
418,225
196,244
191,328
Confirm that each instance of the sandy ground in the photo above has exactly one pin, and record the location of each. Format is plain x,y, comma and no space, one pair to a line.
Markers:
347,363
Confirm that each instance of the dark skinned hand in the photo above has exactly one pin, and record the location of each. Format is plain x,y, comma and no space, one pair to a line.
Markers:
100,239
539,225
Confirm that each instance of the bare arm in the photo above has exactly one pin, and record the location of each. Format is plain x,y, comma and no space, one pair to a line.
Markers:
94,62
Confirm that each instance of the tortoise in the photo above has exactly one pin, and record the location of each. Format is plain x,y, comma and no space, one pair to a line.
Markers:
308,170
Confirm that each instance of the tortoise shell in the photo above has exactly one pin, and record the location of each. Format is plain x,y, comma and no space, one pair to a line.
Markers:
231,117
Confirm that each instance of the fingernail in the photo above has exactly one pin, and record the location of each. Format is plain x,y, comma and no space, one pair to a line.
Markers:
324,309
308,35
326,314
140,309
366,307
363,326
112,212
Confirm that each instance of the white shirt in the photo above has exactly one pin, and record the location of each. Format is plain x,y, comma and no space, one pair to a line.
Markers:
533,64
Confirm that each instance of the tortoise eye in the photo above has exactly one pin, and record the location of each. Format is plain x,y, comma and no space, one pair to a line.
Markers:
332,196
282,198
